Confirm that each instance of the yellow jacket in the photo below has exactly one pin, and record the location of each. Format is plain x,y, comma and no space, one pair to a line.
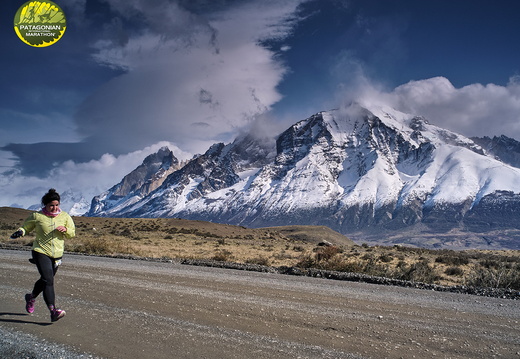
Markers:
48,240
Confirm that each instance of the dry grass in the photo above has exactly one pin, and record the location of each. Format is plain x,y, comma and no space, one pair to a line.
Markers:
278,246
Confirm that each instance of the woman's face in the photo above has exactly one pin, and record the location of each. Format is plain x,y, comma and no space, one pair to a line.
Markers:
53,207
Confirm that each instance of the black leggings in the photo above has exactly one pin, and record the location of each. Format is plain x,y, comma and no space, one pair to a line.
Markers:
47,268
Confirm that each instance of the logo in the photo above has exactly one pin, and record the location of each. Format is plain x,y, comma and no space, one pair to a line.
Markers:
40,23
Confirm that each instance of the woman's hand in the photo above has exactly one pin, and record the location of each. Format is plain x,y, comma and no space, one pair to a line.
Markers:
61,229
17,234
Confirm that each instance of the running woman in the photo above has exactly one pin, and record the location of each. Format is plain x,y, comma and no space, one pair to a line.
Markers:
51,226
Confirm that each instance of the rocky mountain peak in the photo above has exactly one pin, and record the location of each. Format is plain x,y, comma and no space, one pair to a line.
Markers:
356,170
140,182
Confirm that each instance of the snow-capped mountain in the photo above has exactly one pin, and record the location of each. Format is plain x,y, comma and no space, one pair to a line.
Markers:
72,202
138,183
355,170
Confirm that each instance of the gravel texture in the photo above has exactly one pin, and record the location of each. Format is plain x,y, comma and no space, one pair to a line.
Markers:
14,344
121,308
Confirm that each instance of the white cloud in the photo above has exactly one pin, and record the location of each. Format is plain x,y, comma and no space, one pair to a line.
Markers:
86,179
473,110
184,71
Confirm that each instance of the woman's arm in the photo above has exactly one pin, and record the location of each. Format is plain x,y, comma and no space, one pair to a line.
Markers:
28,225
69,229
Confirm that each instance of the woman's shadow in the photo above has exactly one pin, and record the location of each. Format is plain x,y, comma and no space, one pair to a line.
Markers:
20,321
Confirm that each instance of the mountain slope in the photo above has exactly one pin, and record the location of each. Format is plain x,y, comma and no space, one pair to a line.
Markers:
137,184
352,170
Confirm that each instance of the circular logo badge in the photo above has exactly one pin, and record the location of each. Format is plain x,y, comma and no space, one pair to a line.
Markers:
40,23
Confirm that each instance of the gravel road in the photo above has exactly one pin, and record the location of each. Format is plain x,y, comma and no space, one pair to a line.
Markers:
119,308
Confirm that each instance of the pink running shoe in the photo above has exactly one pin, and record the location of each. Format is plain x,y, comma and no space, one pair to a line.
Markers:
57,314
29,303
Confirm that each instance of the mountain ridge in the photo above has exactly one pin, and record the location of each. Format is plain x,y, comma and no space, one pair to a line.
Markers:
354,170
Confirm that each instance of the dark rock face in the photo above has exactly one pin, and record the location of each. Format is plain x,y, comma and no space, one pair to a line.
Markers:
498,210
504,148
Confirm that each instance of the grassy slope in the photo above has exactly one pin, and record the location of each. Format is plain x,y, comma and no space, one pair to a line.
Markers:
275,246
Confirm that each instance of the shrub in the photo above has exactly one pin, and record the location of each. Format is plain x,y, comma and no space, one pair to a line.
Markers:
367,257
496,276
306,261
94,246
326,253
353,267
260,260
172,230
372,267
491,263
417,272
454,260
126,233
222,256
454,271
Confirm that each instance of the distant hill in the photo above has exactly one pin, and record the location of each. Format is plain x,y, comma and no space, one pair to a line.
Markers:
12,218
313,234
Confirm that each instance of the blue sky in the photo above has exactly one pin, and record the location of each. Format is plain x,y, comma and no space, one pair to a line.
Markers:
130,76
